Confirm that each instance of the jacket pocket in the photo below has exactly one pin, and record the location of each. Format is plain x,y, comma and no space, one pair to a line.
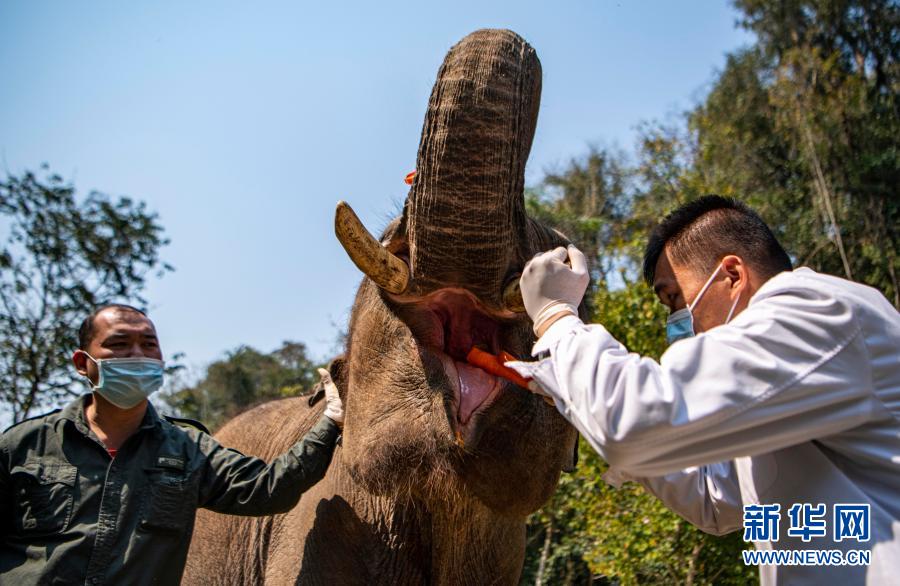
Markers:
43,496
170,502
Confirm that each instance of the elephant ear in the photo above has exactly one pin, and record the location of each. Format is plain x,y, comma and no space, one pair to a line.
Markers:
339,374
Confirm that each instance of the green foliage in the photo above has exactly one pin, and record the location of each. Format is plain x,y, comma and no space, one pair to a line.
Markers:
805,126
586,202
64,255
634,316
244,378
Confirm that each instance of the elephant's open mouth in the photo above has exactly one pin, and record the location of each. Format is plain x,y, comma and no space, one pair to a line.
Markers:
453,324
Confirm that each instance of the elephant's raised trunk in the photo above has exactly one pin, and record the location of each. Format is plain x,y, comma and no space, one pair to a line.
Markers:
465,215
464,221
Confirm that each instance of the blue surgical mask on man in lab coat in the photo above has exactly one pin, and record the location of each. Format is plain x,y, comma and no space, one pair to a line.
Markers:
680,324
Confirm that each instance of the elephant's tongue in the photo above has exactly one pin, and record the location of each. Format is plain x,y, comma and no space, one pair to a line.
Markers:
475,385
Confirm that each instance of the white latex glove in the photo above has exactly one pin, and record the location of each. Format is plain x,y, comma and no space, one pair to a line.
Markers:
334,408
550,286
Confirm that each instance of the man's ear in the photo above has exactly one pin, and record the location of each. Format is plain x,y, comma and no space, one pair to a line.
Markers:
736,270
79,359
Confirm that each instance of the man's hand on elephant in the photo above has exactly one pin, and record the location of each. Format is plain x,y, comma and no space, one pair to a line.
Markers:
550,287
334,408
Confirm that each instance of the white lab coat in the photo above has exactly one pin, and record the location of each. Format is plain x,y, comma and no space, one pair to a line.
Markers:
796,400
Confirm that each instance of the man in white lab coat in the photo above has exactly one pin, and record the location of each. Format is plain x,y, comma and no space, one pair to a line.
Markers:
776,410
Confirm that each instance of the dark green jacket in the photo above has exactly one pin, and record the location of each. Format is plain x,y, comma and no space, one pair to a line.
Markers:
71,514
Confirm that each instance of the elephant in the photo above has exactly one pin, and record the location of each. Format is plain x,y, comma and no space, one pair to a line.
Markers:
440,462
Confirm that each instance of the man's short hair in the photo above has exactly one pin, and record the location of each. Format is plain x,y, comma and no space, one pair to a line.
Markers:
86,331
704,231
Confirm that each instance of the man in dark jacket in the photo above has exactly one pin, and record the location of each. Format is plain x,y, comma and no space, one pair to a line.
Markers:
105,490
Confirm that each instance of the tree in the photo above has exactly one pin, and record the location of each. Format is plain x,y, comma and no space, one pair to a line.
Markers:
588,203
244,378
805,125
63,256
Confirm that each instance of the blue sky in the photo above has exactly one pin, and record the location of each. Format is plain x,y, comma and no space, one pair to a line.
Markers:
242,124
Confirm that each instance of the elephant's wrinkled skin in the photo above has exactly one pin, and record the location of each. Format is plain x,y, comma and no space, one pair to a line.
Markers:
440,463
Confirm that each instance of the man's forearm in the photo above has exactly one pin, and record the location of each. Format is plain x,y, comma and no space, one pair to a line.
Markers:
247,486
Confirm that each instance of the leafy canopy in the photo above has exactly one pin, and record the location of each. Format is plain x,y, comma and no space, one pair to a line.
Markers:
63,256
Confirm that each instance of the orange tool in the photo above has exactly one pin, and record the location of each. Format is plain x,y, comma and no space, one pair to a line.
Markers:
493,364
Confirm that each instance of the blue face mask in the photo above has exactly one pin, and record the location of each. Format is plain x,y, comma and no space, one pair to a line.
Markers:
680,324
125,382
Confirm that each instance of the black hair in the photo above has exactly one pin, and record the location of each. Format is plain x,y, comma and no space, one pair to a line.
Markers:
704,231
86,331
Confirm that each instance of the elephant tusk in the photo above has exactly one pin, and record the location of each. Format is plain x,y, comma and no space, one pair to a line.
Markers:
373,259
512,296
